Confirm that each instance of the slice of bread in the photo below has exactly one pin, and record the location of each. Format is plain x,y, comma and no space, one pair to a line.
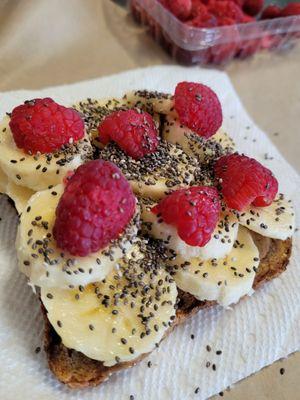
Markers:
78,371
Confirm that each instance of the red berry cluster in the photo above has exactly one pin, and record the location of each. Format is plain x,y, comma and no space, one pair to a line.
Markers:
42,125
132,130
94,209
214,13
244,181
198,108
193,211
211,13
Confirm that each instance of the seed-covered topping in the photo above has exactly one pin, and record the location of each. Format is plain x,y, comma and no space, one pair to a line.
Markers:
225,279
45,264
169,163
94,111
275,221
36,170
150,101
139,292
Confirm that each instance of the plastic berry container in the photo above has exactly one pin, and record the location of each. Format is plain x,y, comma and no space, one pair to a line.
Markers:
190,45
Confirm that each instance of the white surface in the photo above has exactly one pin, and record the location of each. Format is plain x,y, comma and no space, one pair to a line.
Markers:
253,334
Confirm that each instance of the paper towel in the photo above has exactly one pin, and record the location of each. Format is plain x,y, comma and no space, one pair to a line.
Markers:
253,334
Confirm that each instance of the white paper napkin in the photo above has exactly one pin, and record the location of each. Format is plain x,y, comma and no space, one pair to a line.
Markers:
253,334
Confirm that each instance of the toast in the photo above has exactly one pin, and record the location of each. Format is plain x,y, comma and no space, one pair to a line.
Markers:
78,371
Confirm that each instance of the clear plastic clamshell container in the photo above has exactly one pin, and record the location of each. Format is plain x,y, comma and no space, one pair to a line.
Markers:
190,45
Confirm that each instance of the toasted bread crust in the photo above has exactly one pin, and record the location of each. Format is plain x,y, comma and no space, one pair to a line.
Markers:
78,371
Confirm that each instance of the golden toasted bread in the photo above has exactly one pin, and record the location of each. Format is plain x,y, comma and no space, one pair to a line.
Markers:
78,371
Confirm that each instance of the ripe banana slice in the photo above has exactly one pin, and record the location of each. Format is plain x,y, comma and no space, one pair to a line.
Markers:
220,244
195,145
151,101
20,195
37,172
276,221
155,174
45,264
225,280
120,318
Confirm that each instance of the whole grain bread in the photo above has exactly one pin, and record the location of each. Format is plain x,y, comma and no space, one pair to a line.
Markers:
78,371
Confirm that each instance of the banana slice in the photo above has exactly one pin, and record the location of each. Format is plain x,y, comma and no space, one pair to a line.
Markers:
276,221
45,264
19,194
120,318
220,244
150,101
225,280
195,145
39,171
155,174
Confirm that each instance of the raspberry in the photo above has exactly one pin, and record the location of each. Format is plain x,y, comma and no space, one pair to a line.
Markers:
41,125
180,8
225,9
94,209
193,211
253,7
247,19
245,181
198,9
271,11
206,20
198,108
134,132
291,9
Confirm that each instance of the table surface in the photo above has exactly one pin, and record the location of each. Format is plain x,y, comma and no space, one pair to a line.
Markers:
45,43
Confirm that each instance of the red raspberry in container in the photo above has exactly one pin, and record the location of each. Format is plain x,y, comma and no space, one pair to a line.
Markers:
225,10
271,11
134,132
224,52
291,9
44,126
205,20
199,8
180,8
193,211
94,209
245,181
198,108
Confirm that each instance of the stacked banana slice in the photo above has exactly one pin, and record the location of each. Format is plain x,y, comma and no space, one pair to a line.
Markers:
113,305
121,317
45,264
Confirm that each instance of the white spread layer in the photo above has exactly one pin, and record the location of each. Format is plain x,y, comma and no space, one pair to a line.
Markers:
45,264
40,171
224,280
115,330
